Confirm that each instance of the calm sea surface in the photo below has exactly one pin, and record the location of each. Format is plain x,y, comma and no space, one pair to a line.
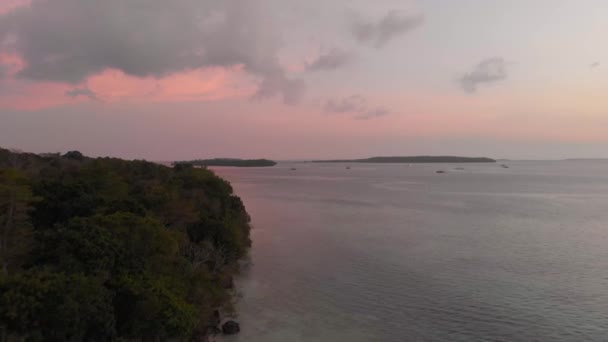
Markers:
401,253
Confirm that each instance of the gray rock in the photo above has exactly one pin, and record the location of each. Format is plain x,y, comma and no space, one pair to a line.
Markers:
230,328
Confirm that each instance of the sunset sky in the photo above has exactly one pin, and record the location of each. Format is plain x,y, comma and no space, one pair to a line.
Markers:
295,79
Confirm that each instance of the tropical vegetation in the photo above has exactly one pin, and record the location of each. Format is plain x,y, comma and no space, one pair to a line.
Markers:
95,249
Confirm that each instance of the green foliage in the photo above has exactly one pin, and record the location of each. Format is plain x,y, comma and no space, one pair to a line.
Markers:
76,155
52,306
15,228
114,249
149,307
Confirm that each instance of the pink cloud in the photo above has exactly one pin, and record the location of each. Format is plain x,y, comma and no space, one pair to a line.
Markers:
10,63
26,95
8,5
197,85
22,94
114,86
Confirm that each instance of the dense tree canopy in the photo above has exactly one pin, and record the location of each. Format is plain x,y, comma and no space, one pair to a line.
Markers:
100,249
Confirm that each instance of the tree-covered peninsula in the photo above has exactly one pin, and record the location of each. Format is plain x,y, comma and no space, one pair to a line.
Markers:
107,249
229,162
412,160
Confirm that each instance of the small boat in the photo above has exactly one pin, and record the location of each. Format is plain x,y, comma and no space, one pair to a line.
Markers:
505,166
293,169
440,171
348,167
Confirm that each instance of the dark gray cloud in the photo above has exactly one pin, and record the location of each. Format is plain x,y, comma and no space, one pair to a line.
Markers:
393,24
83,91
333,59
594,65
355,104
69,40
290,90
488,71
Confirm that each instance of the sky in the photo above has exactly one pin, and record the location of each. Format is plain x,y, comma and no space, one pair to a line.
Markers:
294,79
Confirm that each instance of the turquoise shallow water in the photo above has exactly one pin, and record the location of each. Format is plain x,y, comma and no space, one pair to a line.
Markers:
401,253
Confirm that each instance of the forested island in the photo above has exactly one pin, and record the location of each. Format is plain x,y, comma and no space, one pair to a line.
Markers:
412,160
229,162
99,249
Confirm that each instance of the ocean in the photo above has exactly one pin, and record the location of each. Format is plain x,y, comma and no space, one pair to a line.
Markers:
397,252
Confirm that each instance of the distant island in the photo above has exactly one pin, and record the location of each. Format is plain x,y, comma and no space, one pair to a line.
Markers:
586,159
230,162
414,159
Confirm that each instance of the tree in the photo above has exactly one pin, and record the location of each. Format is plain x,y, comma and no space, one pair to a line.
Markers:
76,155
16,199
106,249
42,305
